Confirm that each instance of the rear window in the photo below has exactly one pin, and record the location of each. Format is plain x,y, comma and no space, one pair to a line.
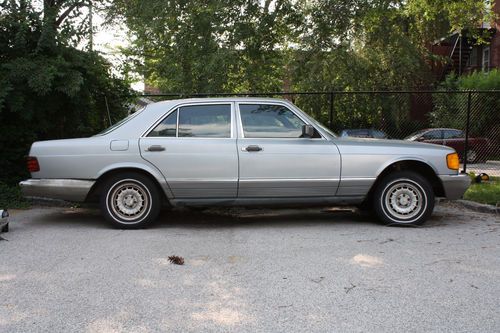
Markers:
119,123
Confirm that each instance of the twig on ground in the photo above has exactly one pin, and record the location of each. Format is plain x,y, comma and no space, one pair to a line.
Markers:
176,260
348,289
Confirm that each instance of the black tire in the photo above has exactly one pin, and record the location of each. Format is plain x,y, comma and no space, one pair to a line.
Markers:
130,200
5,228
366,208
403,198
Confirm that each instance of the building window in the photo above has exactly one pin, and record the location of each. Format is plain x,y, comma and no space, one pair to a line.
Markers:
486,58
473,58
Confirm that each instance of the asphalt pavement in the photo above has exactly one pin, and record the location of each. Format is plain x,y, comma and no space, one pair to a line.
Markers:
65,270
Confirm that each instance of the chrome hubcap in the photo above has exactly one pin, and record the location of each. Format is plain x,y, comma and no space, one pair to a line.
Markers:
129,200
404,200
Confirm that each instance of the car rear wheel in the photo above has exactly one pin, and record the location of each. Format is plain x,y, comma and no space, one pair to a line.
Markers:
5,228
130,201
404,198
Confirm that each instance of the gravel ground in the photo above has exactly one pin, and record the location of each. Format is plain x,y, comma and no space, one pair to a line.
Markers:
64,270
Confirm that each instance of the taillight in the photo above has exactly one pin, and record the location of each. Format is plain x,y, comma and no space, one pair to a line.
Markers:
32,164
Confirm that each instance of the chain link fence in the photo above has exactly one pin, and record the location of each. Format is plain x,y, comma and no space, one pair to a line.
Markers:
468,121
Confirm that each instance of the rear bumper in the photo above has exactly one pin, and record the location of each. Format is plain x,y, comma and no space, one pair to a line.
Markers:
455,185
64,189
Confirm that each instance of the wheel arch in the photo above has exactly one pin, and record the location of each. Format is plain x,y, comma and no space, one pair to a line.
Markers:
105,174
408,164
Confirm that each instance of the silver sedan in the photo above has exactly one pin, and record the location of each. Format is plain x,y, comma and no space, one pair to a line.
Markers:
240,151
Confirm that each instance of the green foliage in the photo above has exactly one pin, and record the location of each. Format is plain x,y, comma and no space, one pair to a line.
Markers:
286,45
242,45
481,80
208,46
451,109
11,197
485,192
49,89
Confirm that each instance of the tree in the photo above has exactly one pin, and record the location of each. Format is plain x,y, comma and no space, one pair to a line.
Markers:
49,89
209,46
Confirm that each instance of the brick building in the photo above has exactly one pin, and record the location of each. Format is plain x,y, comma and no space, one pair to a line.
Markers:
464,55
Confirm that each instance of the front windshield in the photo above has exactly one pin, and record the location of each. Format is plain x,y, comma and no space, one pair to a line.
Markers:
119,123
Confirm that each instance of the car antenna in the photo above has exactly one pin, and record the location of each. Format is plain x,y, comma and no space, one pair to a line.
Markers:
107,108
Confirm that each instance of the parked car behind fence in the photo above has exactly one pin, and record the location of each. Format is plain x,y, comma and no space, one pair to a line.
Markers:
364,133
479,149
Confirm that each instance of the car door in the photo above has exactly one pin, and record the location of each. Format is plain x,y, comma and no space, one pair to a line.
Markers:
194,146
275,161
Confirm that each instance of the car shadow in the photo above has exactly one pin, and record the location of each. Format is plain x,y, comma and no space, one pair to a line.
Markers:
91,217
254,218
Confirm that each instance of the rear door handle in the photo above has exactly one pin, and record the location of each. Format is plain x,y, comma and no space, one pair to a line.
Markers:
252,148
155,148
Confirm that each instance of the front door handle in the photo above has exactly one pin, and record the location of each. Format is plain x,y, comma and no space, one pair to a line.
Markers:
252,148
155,148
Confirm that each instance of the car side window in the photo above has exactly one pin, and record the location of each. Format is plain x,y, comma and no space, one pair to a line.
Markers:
205,121
167,127
453,134
432,135
269,121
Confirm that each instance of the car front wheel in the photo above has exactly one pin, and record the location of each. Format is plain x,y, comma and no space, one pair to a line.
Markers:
404,198
130,201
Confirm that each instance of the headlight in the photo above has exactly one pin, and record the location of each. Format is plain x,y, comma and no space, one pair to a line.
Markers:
452,161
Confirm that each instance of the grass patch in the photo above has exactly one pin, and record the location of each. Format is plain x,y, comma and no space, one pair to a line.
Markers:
485,192
11,197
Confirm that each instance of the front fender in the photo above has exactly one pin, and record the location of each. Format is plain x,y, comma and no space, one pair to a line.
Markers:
389,162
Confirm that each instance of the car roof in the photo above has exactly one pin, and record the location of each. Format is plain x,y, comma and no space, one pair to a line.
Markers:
223,99
440,128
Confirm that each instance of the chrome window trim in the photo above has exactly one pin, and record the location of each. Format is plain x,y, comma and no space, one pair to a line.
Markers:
177,107
306,121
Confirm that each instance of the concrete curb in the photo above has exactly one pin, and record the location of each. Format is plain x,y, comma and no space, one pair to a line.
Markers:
478,207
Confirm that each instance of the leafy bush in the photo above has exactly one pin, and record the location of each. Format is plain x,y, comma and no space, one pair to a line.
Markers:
451,108
48,88
10,197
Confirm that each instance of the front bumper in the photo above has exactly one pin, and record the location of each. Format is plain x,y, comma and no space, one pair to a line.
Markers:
455,185
64,189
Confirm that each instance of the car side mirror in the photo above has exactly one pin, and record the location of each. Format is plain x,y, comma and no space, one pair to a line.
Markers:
307,131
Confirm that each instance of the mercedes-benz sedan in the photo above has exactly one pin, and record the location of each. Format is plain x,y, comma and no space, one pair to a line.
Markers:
240,151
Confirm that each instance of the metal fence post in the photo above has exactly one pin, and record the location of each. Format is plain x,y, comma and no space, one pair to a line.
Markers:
330,115
467,125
